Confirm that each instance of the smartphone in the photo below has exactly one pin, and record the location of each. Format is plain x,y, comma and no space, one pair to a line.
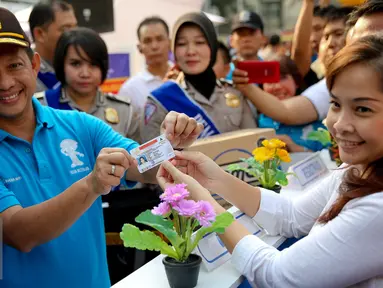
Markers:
261,71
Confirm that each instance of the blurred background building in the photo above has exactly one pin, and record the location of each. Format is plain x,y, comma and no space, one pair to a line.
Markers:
117,20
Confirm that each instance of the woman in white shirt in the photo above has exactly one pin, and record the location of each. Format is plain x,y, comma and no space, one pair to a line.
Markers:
342,217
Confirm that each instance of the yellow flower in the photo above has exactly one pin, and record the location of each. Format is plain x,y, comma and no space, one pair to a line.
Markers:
263,154
283,155
273,144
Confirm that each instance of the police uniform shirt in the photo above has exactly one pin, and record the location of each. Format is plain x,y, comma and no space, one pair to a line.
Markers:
45,67
115,111
226,117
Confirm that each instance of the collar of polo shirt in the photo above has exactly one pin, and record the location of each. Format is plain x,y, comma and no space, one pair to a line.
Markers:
42,118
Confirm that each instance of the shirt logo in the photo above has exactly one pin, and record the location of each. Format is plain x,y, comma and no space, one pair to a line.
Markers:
11,180
68,148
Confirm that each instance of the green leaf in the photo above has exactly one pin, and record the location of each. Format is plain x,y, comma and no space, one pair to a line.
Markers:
252,172
233,167
222,221
321,135
271,172
253,168
281,178
254,163
271,177
162,225
145,240
274,164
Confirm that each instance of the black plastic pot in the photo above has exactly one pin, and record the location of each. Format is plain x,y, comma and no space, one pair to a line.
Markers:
277,188
182,274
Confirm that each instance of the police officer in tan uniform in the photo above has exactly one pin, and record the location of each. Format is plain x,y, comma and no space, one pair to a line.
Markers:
81,65
116,111
196,91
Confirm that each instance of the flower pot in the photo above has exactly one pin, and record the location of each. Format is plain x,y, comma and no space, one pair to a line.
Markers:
277,188
182,274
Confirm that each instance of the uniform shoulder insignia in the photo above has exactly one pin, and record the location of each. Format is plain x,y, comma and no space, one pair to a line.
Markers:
226,83
39,95
111,96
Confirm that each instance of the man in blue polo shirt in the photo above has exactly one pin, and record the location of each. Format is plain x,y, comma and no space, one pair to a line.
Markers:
54,166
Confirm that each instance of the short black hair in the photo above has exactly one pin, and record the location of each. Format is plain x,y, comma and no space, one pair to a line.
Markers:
319,12
149,21
289,67
226,53
333,14
368,8
275,40
142,158
44,14
89,41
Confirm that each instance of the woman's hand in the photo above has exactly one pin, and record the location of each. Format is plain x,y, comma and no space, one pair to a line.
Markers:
168,174
199,167
181,130
110,167
240,79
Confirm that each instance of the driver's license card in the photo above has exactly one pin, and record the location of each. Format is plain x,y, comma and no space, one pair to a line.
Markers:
153,153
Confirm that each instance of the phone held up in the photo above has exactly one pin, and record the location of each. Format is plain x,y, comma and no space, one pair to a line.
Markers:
261,71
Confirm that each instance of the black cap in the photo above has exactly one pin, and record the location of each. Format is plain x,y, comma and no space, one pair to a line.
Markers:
11,31
247,19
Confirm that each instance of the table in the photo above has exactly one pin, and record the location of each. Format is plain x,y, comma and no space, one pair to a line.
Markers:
226,276
153,273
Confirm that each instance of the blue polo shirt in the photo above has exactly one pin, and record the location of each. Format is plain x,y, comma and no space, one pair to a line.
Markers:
63,151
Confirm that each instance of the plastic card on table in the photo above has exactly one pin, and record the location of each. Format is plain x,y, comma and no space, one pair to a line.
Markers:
213,251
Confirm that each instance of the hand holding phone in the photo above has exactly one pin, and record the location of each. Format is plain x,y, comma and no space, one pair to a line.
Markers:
261,72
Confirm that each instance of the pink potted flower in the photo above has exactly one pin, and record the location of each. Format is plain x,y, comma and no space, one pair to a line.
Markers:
176,218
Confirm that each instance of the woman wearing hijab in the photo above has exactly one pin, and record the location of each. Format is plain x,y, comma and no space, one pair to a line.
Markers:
196,92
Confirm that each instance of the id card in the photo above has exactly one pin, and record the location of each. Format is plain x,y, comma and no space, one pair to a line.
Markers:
153,153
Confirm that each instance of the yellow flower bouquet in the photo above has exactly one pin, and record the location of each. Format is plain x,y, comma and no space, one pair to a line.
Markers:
265,165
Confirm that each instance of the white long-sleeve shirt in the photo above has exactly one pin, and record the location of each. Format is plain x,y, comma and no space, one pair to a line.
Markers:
138,88
347,251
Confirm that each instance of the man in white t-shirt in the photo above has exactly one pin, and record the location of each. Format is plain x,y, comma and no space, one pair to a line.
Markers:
154,44
319,97
314,102
366,20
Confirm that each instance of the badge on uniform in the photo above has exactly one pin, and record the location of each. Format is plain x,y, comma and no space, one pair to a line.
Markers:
111,115
150,109
232,100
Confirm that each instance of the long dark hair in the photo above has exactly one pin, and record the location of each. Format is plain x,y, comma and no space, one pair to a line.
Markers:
367,51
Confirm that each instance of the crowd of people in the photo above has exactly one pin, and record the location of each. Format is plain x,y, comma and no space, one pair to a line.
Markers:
58,162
